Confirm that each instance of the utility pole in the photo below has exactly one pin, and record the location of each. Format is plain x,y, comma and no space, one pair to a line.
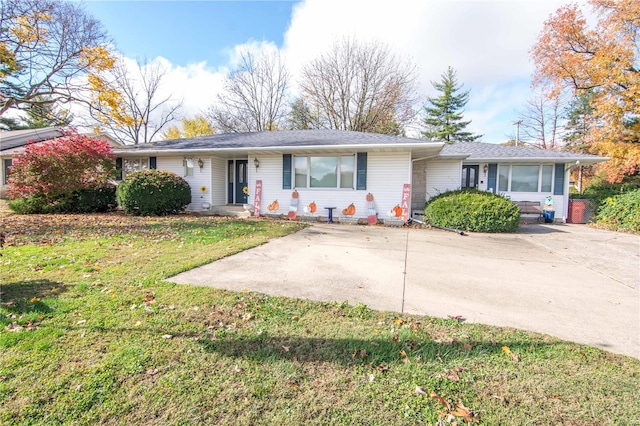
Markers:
518,123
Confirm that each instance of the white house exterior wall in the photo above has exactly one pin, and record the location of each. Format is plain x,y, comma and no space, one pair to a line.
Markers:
200,178
217,187
386,175
443,176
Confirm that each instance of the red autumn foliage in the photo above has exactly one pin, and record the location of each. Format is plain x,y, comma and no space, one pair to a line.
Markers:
59,167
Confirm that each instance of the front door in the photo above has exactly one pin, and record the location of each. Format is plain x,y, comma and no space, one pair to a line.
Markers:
470,177
241,182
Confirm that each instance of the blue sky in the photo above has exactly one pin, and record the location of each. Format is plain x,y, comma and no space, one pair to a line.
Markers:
486,41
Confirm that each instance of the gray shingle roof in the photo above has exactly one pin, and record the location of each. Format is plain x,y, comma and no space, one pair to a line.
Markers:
487,151
10,139
284,138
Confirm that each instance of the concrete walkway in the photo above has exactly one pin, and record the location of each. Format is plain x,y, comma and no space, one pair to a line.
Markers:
569,281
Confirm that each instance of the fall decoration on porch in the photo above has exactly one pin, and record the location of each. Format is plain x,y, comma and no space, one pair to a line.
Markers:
245,190
369,197
273,206
295,194
313,207
397,210
350,210
203,189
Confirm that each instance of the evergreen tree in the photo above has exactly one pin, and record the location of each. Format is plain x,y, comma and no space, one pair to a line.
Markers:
579,116
444,114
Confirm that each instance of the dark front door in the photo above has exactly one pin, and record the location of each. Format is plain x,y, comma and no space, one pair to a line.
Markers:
241,181
470,177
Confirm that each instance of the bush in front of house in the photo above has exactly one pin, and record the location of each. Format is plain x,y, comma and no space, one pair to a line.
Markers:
95,200
472,210
621,212
153,193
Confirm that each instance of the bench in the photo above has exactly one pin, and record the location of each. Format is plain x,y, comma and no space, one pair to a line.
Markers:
530,207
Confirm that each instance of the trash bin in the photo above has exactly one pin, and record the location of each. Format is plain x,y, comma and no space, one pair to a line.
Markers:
548,216
576,211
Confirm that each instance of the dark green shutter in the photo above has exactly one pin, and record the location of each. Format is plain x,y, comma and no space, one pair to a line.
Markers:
119,168
286,171
558,184
152,163
361,171
492,178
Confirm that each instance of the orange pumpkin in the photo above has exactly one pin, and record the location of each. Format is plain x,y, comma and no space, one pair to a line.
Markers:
351,209
273,206
398,210
369,197
313,207
295,194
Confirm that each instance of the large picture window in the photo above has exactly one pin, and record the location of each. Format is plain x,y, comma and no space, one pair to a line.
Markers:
130,165
324,171
525,178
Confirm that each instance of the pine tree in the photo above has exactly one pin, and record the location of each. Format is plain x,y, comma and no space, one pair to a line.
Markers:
444,114
579,116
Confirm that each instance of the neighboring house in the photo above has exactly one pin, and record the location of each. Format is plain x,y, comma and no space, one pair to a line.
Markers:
336,168
13,142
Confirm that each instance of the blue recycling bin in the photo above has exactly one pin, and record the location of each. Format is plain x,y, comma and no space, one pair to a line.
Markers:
548,216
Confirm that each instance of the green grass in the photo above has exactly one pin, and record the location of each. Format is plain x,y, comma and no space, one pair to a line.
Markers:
91,334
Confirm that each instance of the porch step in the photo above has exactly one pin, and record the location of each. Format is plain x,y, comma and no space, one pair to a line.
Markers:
227,210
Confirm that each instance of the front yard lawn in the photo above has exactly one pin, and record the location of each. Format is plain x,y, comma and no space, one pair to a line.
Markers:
91,334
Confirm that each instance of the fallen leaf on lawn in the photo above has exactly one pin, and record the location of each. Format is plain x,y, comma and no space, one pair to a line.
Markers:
403,354
171,307
383,367
456,317
452,375
399,320
295,318
132,307
34,299
507,351
152,371
420,390
237,369
81,322
466,413
441,400
167,336
286,348
467,346
149,298
372,377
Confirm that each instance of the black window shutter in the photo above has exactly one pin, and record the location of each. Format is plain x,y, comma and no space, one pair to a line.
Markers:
558,184
119,168
361,171
286,171
153,163
492,178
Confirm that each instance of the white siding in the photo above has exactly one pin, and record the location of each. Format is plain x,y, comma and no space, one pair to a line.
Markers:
386,175
443,176
218,182
200,178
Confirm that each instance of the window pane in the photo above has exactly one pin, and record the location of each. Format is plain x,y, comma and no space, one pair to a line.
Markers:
324,172
300,166
465,172
503,178
188,166
346,171
524,178
547,178
7,170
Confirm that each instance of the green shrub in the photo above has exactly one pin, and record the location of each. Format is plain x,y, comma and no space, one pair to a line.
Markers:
152,193
31,205
599,190
621,212
471,210
96,200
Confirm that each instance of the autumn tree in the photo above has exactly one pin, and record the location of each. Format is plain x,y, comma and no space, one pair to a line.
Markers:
191,128
254,98
444,115
54,170
603,59
129,104
45,46
301,117
361,87
542,121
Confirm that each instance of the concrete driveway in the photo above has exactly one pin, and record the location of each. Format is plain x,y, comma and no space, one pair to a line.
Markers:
569,281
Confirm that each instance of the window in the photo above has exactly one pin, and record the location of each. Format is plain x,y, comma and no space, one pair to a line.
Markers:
189,165
130,165
6,164
525,178
503,178
324,171
300,166
347,171
547,178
